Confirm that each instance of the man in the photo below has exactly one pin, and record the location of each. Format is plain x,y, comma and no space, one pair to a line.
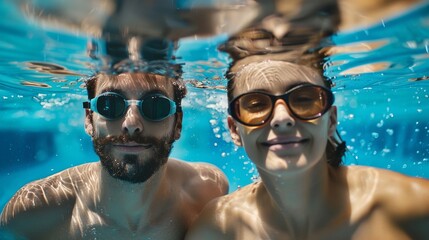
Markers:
135,191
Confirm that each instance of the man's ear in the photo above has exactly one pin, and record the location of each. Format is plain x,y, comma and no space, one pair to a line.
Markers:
234,131
178,125
89,127
333,121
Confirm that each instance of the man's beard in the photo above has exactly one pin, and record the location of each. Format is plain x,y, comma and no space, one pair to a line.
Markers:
131,168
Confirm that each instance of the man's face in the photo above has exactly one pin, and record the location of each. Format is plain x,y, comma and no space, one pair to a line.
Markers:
132,148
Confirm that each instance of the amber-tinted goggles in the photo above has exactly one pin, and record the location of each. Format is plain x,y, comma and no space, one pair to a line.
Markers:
305,102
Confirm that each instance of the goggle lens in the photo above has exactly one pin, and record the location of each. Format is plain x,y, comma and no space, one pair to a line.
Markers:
253,109
308,102
110,106
155,107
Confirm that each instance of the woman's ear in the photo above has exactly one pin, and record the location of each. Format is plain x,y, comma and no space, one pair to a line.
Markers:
178,125
236,138
89,127
333,121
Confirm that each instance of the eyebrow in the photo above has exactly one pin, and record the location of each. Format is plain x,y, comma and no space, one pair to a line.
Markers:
259,90
123,93
111,89
297,83
158,91
290,86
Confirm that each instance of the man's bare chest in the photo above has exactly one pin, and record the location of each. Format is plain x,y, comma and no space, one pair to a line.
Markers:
91,225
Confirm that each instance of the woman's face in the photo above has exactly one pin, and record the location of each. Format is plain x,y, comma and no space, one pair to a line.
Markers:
283,142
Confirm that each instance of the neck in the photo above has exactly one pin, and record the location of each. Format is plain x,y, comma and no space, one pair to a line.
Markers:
304,200
127,202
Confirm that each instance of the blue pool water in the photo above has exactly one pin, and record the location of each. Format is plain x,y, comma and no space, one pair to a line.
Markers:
383,110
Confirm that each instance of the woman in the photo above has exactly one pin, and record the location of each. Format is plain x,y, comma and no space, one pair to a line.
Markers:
283,115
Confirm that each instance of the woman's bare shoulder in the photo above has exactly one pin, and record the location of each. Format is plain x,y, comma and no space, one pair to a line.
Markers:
224,216
397,194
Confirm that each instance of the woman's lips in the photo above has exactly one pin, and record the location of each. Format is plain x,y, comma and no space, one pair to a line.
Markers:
284,144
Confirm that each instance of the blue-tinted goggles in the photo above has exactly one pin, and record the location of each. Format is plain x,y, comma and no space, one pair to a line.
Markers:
112,106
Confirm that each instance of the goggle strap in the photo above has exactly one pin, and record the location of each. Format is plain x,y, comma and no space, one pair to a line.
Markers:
86,105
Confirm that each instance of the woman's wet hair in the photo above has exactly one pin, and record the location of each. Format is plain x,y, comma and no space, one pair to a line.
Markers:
336,147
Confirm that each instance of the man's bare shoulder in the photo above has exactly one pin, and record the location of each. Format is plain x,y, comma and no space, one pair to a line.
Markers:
200,180
48,196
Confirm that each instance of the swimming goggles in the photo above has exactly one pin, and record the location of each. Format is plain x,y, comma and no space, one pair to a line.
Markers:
305,102
112,106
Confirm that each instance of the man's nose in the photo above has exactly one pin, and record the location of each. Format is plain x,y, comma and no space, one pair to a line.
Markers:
133,122
282,119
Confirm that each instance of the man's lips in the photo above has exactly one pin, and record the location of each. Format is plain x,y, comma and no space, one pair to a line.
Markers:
131,147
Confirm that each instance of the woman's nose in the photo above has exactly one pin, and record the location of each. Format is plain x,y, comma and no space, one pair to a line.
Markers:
133,122
281,118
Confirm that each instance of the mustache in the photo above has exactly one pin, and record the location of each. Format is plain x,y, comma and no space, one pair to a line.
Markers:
127,138
100,141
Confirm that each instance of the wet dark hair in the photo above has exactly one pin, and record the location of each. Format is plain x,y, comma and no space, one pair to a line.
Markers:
179,87
336,147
